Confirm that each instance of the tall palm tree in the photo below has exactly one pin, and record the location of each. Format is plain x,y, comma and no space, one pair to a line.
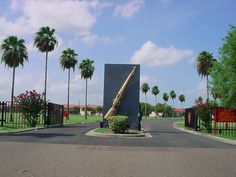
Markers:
181,99
46,41
165,98
200,99
204,62
155,91
87,69
14,53
145,89
173,96
68,60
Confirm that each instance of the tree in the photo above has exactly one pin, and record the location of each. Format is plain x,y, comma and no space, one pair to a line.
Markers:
68,60
204,62
99,109
87,69
223,73
155,91
214,94
173,96
181,99
14,53
200,99
145,89
165,98
149,107
45,41
31,104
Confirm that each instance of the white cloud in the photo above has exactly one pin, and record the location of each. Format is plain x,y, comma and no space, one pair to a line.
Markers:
202,86
18,27
129,9
91,39
74,16
152,55
4,83
164,2
144,79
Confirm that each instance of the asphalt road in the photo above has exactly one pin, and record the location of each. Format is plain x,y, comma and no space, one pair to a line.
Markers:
66,152
163,135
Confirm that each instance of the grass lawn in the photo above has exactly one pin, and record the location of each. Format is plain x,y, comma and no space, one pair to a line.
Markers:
103,130
11,129
108,130
180,124
75,119
160,118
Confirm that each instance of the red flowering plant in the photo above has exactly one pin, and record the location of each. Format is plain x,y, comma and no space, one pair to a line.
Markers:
204,112
31,104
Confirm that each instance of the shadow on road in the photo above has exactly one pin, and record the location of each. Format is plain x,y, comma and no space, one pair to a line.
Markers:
167,132
40,135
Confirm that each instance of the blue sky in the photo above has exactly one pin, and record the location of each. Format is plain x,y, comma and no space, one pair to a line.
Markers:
164,36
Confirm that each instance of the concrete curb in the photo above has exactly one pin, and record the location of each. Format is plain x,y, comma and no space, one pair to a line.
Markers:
223,140
95,134
28,130
21,131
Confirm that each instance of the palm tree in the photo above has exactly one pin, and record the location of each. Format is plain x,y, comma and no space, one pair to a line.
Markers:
173,96
165,98
182,99
14,53
68,60
200,99
145,89
204,62
87,69
45,41
155,91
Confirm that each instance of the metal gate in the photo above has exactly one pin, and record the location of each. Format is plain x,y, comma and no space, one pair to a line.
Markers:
54,114
191,119
11,115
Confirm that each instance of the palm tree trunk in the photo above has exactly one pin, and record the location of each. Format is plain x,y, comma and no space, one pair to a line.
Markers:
156,105
12,92
68,95
165,110
207,88
45,90
86,80
173,108
145,105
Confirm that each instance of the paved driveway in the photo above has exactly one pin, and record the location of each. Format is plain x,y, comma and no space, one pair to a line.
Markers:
67,152
163,135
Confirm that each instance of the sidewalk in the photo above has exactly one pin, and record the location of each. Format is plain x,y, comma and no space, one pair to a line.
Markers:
223,140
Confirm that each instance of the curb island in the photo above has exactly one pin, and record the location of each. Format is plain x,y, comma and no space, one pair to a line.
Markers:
96,134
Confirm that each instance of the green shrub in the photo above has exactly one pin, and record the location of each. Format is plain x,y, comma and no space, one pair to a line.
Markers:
204,112
118,124
31,104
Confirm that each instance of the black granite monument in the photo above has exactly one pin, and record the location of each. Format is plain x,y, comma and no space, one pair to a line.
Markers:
121,92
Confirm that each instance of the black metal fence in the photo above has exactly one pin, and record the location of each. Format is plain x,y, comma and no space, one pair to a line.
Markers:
11,115
54,114
225,128
191,119
221,128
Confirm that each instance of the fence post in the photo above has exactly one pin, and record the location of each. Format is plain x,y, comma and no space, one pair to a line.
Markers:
215,124
2,106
